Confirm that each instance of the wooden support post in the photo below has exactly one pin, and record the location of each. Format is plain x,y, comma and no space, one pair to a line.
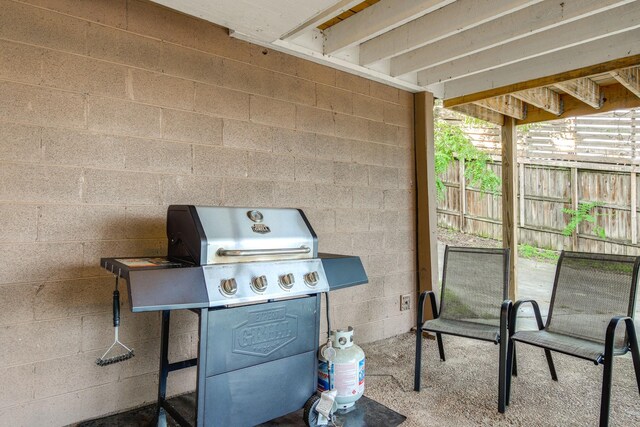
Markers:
463,196
575,201
427,243
521,185
509,199
634,209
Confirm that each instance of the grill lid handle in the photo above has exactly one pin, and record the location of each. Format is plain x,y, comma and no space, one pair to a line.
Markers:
260,252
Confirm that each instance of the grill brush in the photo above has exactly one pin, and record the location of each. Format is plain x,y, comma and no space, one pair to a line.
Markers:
104,360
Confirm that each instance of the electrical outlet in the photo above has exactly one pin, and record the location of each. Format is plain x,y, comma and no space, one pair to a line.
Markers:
405,302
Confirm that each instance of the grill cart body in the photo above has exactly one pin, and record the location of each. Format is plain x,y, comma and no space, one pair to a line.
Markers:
255,279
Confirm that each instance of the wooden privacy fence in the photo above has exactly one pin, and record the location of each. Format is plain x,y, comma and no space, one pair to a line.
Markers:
561,164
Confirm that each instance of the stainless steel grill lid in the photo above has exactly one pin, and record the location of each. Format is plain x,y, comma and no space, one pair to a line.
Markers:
204,235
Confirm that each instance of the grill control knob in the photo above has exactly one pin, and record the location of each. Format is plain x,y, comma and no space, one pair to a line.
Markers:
312,278
259,283
228,287
287,281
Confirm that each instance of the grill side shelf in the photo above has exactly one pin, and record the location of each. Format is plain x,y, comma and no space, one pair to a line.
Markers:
343,271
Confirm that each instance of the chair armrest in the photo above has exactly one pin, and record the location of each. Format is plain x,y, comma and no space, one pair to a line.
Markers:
421,301
514,314
611,334
505,314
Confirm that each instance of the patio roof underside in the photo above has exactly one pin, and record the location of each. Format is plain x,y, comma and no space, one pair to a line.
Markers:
533,60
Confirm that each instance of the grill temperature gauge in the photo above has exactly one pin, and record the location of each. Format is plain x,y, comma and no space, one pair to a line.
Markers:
259,283
312,278
228,287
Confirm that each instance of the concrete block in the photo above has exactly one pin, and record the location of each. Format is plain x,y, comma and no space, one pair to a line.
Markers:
406,99
247,135
352,82
41,106
368,107
17,304
383,177
183,381
35,183
19,381
407,261
315,72
315,120
55,261
398,115
215,39
399,284
272,59
191,127
322,220
61,375
158,156
294,142
395,157
384,92
367,198
219,161
334,99
314,170
405,137
190,189
351,127
84,222
20,143
122,47
336,243
406,178
332,148
191,64
247,78
400,324
406,219
352,220
333,196
19,62
350,174
399,240
137,391
383,220
221,102
160,89
23,23
368,153
354,314
112,13
95,250
368,242
399,199
159,22
296,195
97,330
118,188
243,192
19,222
146,222
82,148
381,264
81,74
271,112
29,342
123,118
384,133
293,89
369,332
272,167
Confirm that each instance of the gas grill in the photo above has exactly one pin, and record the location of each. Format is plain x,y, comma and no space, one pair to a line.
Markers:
255,279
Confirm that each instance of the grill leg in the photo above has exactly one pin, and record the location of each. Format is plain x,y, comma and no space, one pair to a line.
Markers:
161,415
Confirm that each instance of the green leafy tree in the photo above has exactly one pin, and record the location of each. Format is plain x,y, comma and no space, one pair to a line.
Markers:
585,212
451,143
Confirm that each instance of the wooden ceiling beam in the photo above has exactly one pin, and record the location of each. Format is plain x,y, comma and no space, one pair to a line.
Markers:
375,20
451,19
591,28
321,18
523,23
480,112
629,78
616,97
506,105
542,97
583,89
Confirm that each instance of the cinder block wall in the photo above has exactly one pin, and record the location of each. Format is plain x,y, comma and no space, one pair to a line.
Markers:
112,110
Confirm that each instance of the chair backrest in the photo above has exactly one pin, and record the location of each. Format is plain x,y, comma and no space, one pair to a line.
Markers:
475,282
589,290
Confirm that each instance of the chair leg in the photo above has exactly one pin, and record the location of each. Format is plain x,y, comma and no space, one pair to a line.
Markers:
552,368
502,376
440,346
510,369
605,401
635,351
418,366
515,362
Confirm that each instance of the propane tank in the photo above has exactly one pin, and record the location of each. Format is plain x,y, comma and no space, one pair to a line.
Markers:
345,372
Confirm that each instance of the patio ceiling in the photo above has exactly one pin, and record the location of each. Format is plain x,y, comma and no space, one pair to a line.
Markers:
451,48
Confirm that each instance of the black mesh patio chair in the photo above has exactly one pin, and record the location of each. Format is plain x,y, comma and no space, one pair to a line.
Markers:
473,304
592,295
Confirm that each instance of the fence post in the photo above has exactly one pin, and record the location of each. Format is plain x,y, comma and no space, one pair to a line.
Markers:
634,209
521,200
574,204
463,196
